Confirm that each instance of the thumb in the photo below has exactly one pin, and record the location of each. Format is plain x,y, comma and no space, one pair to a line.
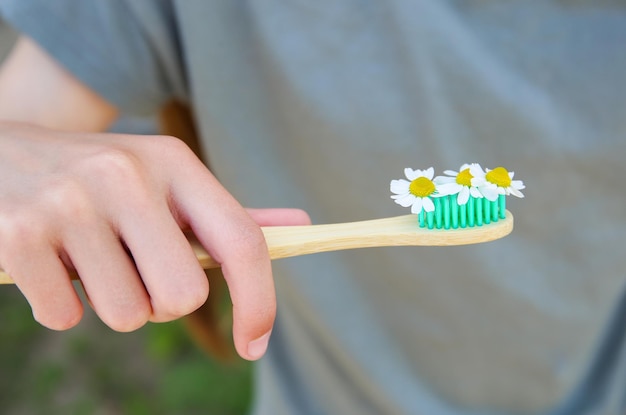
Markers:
279,217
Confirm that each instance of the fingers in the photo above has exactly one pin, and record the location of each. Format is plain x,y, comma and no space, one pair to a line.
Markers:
246,266
41,276
164,282
108,276
170,271
47,287
279,217
136,205
233,238
239,246
117,220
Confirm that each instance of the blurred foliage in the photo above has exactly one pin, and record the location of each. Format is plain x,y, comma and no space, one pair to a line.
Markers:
93,370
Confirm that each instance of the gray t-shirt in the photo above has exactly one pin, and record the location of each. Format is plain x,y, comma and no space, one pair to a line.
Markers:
320,104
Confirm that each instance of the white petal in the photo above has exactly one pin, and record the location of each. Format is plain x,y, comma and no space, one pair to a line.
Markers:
476,170
451,172
406,201
449,189
428,204
518,184
444,180
411,174
515,192
490,192
417,206
475,192
478,181
399,186
429,173
463,196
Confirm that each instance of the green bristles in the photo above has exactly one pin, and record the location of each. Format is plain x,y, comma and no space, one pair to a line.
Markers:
448,214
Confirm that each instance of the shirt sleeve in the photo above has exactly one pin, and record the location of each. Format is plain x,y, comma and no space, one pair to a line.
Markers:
128,52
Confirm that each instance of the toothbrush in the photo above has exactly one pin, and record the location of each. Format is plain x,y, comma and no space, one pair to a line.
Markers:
464,207
289,241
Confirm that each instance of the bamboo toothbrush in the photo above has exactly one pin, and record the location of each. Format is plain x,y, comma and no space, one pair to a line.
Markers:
465,207
289,241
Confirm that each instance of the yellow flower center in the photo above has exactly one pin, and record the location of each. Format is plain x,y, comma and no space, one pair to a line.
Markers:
499,176
464,178
421,187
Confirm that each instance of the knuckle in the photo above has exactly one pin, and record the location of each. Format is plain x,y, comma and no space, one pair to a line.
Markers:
125,311
197,296
115,166
173,145
128,320
66,200
184,305
35,221
117,175
185,299
60,320
249,237
175,152
21,230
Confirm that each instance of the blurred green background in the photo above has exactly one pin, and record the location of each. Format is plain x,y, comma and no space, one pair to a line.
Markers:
91,369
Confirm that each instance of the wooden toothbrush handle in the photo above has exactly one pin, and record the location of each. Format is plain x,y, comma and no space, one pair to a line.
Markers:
288,241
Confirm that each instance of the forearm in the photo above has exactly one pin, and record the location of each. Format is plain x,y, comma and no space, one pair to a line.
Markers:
35,89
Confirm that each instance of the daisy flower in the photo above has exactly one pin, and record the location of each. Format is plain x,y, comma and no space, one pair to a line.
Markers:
502,181
416,191
464,183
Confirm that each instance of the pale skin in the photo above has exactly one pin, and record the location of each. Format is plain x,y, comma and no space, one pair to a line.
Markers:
113,208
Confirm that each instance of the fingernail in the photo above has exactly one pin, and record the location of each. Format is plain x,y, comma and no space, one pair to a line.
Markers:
257,348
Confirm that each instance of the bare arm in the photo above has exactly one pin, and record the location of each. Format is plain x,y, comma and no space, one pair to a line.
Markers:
114,207
35,89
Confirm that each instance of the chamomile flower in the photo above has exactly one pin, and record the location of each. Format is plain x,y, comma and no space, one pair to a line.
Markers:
416,191
464,183
502,180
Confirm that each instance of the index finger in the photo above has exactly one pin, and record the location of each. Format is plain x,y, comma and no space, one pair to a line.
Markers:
233,239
